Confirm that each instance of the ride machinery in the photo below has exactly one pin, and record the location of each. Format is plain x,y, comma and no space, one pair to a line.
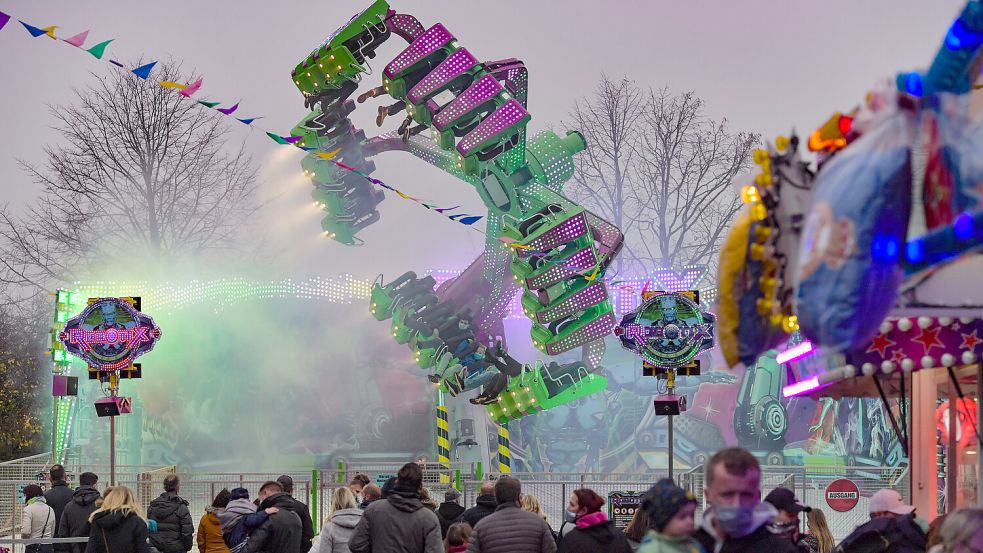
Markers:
467,117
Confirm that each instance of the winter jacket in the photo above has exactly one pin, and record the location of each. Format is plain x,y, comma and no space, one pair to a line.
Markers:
281,533
655,542
175,529
901,534
75,518
397,524
448,513
57,497
306,524
239,519
483,506
113,532
594,534
335,537
210,539
511,530
761,539
39,519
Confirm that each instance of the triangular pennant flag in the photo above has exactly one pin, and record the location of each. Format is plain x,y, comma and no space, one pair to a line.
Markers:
191,88
327,155
50,31
99,49
305,148
117,64
443,209
249,121
470,220
428,206
172,84
292,139
4,18
35,32
78,40
227,111
144,70
276,138
208,104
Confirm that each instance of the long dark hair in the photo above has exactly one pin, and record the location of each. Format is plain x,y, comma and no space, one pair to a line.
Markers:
638,526
221,500
588,499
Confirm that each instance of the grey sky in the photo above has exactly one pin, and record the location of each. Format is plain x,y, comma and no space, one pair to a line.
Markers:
766,65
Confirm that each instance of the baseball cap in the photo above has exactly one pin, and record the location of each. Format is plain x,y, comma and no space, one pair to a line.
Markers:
784,500
451,495
889,501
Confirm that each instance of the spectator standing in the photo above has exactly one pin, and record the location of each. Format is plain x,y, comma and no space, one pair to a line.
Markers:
787,522
818,537
358,483
60,493
74,521
400,523
510,529
345,516
531,504
240,518
210,537
892,527
594,533
370,493
450,511
484,505
302,510
457,538
961,532
175,529
637,527
38,520
670,512
118,525
282,530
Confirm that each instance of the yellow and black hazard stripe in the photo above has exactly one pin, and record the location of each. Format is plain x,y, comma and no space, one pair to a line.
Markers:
443,444
504,450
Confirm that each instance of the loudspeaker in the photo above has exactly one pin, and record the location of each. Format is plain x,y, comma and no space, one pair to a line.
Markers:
62,385
670,405
113,406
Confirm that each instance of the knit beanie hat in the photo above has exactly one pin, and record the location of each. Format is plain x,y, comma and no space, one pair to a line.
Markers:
239,493
663,501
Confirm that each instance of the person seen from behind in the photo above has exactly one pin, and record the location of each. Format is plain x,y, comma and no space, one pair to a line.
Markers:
282,531
118,525
531,504
594,533
484,505
38,521
240,517
75,518
210,537
450,511
175,529
510,529
818,538
302,510
345,516
60,494
400,523
637,527
370,493
457,538
892,527
961,532
670,511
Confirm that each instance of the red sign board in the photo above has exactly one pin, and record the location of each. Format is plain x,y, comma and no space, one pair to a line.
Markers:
842,495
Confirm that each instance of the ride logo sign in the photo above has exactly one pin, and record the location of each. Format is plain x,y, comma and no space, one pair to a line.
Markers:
668,330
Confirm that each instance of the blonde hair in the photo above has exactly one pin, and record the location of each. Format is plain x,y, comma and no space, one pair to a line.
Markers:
531,504
816,523
960,527
120,499
342,498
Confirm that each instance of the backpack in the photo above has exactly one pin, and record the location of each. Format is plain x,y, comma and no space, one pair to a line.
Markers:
886,535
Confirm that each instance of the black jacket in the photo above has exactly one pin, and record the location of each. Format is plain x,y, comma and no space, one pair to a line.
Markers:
761,539
175,529
885,535
57,497
484,506
599,538
281,533
75,518
448,513
306,524
398,524
115,533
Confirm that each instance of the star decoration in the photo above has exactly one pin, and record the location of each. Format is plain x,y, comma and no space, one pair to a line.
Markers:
708,409
956,325
929,338
881,343
970,341
898,356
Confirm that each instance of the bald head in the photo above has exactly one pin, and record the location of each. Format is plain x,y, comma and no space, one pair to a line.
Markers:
488,488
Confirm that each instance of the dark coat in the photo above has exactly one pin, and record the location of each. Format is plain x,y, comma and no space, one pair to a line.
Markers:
511,530
448,513
398,524
57,497
761,539
281,533
175,529
115,533
599,538
885,535
75,518
483,506
306,524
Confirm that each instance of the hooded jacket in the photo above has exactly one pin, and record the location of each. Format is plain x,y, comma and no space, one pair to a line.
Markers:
113,532
448,513
57,497
594,534
483,506
239,519
511,530
175,529
398,524
75,518
761,538
210,539
654,542
281,533
335,538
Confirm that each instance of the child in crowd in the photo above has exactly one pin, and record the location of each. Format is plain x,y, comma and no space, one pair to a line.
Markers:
671,511
240,518
457,537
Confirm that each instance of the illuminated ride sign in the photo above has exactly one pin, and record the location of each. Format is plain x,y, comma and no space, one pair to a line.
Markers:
668,330
109,334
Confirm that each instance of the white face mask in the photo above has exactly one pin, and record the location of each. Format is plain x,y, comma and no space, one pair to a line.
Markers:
359,498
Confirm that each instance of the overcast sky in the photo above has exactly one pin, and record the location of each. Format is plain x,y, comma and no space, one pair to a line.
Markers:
765,65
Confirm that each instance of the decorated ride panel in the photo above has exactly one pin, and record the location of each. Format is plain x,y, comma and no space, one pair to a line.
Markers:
109,334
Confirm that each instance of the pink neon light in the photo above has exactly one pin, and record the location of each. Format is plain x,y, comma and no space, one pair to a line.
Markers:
791,354
800,388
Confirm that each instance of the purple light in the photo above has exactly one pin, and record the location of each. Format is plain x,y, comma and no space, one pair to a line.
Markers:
455,64
478,93
567,231
797,352
430,41
508,114
800,388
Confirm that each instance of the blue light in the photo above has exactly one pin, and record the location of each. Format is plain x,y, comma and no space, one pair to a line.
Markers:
963,227
913,84
914,251
960,38
884,249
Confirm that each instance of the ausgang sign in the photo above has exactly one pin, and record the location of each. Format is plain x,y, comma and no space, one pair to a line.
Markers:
842,495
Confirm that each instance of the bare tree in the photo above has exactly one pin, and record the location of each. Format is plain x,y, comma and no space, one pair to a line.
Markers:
661,171
143,174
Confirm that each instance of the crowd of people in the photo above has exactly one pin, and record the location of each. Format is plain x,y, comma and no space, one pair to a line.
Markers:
401,517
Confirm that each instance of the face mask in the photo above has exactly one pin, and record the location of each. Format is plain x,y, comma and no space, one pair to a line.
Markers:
358,498
735,521
569,517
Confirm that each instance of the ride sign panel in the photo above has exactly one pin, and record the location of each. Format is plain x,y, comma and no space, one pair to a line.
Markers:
109,334
668,330
842,495
622,507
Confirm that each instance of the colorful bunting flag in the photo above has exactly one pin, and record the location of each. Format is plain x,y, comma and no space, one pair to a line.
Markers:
208,104
276,138
35,32
99,49
78,40
50,31
191,88
327,155
144,70
228,111
172,84
4,18
249,121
